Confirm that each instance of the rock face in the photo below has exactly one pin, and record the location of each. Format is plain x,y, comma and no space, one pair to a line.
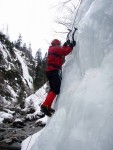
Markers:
16,75
19,123
17,72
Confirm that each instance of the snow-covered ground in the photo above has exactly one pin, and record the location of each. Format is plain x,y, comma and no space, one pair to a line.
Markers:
84,117
33,101
36,99
5,115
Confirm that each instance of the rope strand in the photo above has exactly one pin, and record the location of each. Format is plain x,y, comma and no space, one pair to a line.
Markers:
78,5
29,142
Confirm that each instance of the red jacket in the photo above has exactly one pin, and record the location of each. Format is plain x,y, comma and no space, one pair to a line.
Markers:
56,57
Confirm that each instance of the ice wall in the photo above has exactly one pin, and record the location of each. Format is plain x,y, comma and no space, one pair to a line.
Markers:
84,116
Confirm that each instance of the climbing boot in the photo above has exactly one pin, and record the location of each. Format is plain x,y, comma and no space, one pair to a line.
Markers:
46,111
51,110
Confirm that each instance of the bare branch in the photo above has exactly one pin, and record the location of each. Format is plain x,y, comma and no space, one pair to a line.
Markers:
64,3
67,9
60,32
61,4
66,24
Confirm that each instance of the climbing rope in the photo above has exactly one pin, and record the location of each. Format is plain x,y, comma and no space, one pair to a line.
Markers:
73,28
29,142
78,7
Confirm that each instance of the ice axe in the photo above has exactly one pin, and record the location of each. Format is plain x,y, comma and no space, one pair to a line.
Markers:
75,29
68,39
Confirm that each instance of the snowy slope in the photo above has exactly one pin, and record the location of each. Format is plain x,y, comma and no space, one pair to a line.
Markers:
36,99
16,70
25,69
84,117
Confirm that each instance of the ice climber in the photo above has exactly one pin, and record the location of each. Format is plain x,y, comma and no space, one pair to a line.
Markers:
55,59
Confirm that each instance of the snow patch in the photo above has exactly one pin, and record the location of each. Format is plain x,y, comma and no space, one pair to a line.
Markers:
25,69
13,93
1,120
5,115
36,99
43,120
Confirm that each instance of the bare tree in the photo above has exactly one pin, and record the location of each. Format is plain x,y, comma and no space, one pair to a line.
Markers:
68,9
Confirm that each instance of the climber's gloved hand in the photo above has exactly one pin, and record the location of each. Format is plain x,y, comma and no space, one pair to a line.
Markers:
66,43
72,44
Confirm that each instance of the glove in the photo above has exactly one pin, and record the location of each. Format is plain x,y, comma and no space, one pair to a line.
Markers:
66,43
72,44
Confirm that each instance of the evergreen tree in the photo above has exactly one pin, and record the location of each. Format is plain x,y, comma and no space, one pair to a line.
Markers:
38,57
40,78
24,48
7,32
44,66
5,40
44,61
30,49
19,42
2,37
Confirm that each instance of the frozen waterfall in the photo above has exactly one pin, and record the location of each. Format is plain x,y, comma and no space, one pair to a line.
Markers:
84,116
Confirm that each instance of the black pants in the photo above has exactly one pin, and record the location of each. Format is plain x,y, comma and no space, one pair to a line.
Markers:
54,78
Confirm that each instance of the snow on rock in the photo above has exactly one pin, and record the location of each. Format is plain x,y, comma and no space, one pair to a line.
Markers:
4,101
5,53
19,123
9,111
13,93
36,115
36,99
42,121
18,120
84,117
26,74
30,116
16,68
1,120
5,115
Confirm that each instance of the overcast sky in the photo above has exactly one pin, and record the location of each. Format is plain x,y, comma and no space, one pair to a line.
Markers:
34,19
